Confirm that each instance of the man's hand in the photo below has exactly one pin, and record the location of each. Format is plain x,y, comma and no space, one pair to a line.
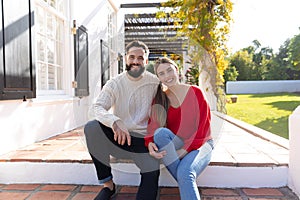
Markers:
153,151
121,133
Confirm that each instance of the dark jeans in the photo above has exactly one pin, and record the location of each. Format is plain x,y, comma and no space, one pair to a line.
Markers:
101,144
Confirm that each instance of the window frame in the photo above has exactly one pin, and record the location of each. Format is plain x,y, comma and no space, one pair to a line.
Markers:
58,16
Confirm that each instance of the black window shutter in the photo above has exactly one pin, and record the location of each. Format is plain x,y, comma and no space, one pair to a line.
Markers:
81,62
105,67
17,67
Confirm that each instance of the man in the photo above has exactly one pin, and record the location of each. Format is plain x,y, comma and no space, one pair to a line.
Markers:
120,133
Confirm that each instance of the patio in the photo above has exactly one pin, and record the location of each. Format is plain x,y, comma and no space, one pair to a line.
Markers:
247,163
80,192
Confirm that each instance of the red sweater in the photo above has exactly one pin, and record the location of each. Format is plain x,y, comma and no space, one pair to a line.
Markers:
190,121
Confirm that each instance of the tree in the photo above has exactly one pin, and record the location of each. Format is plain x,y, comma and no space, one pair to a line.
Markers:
275,71
257,44
265,65
243,63
206,24
230,74
261,59
192,75
294,51
279,64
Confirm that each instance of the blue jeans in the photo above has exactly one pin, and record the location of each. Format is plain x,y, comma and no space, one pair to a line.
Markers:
185,170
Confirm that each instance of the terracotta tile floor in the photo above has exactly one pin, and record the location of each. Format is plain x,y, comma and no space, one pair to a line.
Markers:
85,192
234,147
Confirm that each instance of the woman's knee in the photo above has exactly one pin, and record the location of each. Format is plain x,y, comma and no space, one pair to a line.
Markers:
161,133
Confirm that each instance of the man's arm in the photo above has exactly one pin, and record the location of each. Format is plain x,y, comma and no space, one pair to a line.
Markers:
103,103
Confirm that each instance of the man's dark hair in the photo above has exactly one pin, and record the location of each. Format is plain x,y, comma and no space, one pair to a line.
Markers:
139,44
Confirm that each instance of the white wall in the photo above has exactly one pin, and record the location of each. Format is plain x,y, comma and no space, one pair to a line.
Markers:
254,87
23,123
294,161
95,19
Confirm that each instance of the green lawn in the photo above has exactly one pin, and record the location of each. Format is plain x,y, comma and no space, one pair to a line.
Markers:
267,111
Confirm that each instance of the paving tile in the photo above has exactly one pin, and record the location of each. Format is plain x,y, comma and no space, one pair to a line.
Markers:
5,157
128,190
253,160
93,188
169,197
68,156
26,187
223,159
222,198
282,160
262,192
78,146
42,147
218,192
13,195
270,148
33,156
169,190
85,195
241,148
125,197
62,143
72,135
267,199
58,187
50,195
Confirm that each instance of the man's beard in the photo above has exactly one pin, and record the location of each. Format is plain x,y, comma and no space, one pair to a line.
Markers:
135,73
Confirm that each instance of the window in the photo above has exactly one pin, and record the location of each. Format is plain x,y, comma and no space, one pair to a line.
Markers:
50,25
57,5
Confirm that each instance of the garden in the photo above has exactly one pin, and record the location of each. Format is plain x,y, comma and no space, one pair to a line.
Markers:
269,111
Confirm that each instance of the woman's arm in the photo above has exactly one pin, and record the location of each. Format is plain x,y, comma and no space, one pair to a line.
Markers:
203,119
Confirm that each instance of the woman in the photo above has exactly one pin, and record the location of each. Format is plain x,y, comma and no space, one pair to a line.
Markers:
179,129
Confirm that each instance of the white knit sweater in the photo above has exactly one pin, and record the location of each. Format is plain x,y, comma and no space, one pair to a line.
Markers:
129,101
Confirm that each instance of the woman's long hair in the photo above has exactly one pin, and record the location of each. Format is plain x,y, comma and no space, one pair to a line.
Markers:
161,102
160,106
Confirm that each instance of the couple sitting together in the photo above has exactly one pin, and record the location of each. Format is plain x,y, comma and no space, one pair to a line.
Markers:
149,118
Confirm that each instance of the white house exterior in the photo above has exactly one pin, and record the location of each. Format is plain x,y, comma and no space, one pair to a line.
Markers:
39,67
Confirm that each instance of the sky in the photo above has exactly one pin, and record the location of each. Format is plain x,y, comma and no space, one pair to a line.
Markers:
271,22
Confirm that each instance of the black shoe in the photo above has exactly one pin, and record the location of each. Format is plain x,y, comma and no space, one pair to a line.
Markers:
106,193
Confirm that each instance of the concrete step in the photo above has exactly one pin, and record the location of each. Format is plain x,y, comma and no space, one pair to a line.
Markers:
240,159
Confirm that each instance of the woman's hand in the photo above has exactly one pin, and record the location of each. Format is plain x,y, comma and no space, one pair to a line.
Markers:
181,153
153,151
